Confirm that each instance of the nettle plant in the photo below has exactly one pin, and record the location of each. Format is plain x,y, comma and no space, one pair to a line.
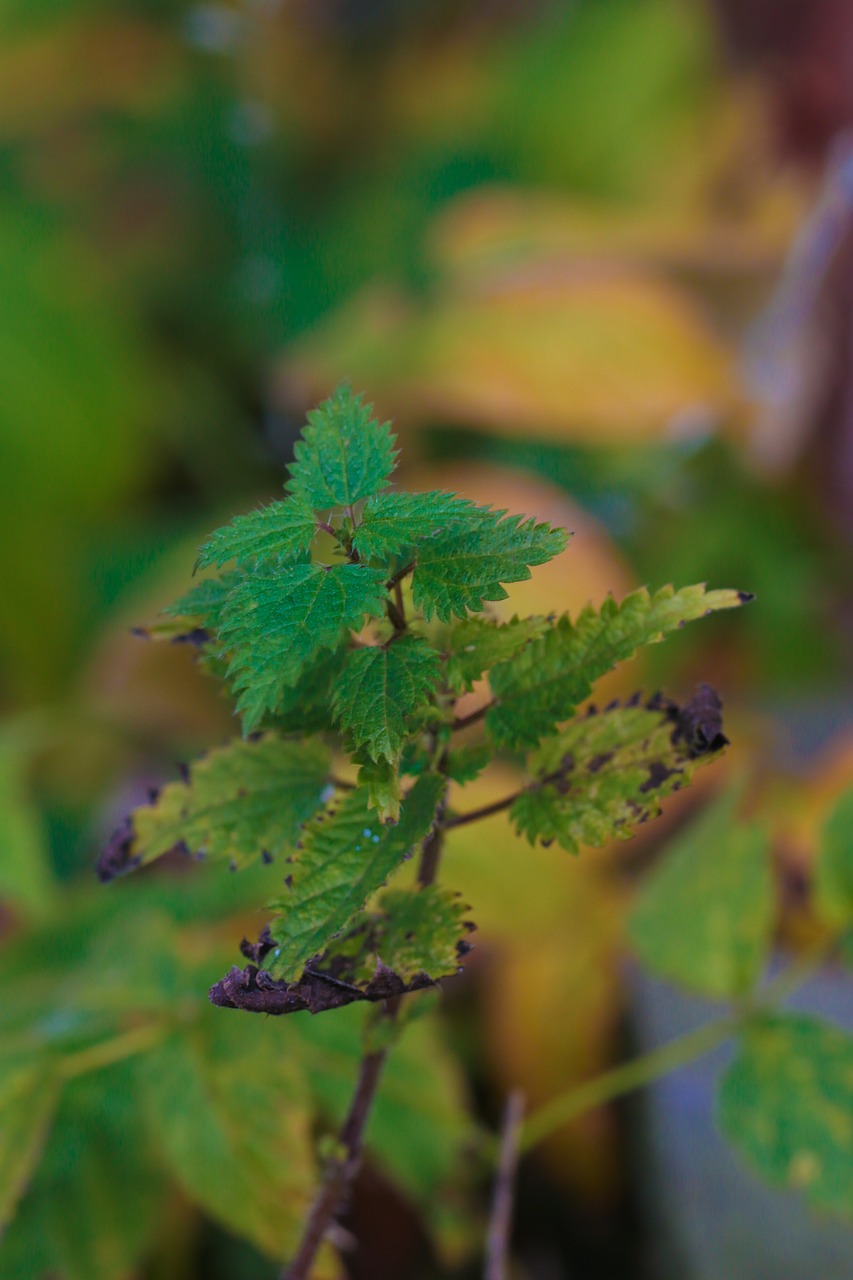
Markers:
348,619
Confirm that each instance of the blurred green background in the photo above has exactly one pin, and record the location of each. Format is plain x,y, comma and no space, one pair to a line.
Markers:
595,259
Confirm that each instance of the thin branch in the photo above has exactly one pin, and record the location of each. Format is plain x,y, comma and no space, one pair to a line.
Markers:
461,819
340,1171
500,1219
464,721
401,574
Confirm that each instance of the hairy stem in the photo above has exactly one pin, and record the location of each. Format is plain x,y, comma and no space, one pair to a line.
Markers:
341,1170
500,1219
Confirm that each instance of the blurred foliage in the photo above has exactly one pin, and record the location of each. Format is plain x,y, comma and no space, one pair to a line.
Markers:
540,236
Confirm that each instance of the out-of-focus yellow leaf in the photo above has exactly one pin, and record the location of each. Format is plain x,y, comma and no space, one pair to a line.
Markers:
496,227
599,355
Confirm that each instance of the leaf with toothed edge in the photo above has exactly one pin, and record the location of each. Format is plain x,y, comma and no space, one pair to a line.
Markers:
464,566
237,803
275,534
413,938
604,774
477,644
275,622
344,454
392,523
379,688
344,857
546,682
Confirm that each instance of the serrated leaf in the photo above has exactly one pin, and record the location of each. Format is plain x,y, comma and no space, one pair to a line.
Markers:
607,772
275,534
239,802
274,622
345,857
834,875
28,1098
384,789
344,454
206,600
228,1108
393,522
379,688
705,915
786,1103
476,645
306,707
545,683
411,940
464,566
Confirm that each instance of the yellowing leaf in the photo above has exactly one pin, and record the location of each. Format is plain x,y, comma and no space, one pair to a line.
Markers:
786,1103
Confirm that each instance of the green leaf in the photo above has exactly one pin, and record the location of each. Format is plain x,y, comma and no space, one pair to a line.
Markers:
26,877
786,1103
705,915
419,931
28,1098
546,681
240,801
274,622
476,645
344,454
606,773
276,534
395,522
96,1203
344,858
306,707
467,763
462,567
205,601
229,1112
379,688
384,790
834,878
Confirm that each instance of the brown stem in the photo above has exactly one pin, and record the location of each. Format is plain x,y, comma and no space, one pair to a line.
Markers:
464,721
461,819
500,1219
341,1170
400,575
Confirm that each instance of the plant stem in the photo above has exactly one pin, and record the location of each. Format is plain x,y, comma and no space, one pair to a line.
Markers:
498,805
400,575
625,1078
500,1220
341,1170
463,721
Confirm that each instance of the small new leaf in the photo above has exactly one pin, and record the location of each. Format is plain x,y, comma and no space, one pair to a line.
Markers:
238,802
395,522
604,774
345,857
344,454
705,915
545,683
464,566
786,1103
384,790
379,688
275,621
277,534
